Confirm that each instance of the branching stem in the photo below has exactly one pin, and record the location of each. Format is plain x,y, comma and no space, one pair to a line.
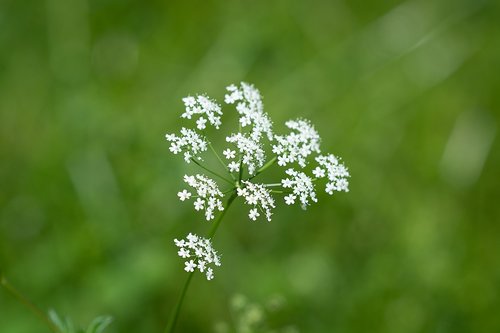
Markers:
26,302
212,172
175,312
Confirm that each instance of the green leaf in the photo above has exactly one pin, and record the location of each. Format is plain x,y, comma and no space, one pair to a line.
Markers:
99,324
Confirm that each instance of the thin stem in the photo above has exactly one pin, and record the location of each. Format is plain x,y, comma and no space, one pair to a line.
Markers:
23,300
216,224
272,185
175,312
278,192
220,160
264,167
212,172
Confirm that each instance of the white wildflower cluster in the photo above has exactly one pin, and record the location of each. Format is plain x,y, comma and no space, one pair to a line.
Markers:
251,109
205,108
189,142
207,192
298,145
199,254
336,173
251,154
302,188
245,158
258,196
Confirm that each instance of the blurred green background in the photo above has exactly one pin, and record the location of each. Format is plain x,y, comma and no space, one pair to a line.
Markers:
407,92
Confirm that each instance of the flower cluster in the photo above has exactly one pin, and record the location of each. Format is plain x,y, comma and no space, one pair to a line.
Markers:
335,172
251,109
203,106
297,154
302,188
251,153
199,254
302,141
258,196
208,194
189,142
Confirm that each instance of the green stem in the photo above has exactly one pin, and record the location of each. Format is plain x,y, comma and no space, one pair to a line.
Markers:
216,224
212,172
220,160
23,300
175,312
272,185
264,167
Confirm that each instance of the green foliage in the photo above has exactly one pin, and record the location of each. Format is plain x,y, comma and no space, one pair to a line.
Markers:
98,325
407,92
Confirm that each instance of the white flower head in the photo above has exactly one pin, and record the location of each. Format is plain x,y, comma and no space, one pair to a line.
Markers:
205,108
209,195
336,173
189,142
251,109
302,188
199,254
258,196
302,141
251,152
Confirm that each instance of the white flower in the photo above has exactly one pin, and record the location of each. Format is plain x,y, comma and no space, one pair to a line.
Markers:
318,172
253,214
198,204
209,195
229,154
258,196
189,142
301,185
201,265
336,173
200,123
190,266
200,253
302,141
252,153
183,195
210,274
251,109
183,253
290,199
234,166
202,106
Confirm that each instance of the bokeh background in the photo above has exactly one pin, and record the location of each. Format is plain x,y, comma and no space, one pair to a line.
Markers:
407,92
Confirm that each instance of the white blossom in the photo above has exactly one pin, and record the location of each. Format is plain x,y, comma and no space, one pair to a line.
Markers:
189,142
251,109
302,187
253,214
258,196
233,166
290,199
251,151
209,195
183,195
199,254
190,266
336,173
229,154
205,108
298,145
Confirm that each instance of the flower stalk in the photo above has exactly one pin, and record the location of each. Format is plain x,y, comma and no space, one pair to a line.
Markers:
27,303
175,312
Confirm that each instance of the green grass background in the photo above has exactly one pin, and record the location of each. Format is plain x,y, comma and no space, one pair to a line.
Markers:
407,92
